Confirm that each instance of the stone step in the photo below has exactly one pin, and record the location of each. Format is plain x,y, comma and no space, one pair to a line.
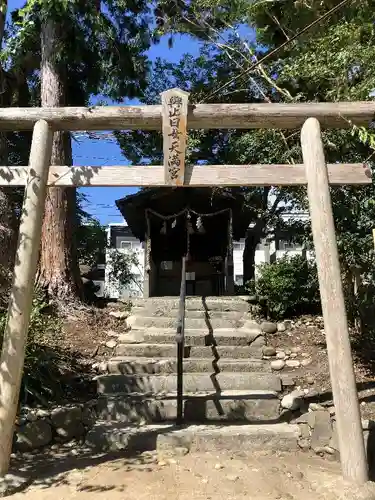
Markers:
134,365
234,439
169,351
245,406
193,382
193,314
166,304
194,337
207,325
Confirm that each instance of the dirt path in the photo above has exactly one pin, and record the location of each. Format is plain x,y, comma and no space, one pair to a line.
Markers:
192,477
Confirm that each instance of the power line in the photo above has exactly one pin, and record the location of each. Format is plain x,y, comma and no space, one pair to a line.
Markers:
277,49
107,158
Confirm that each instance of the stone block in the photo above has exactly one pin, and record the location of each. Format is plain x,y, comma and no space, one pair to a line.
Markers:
292,401
258,342
269,350
277,364
235,439
292,363
63,417
119,314
252,326
88,416
70,431
287,380
169,351
167,443
305,431
268,327
334,442
115,436
304,444
250,406
281,327
193,382
33,435
322,431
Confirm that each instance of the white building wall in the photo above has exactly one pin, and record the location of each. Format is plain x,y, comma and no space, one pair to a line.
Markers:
238,249
262,256
279,254
101,288
266,252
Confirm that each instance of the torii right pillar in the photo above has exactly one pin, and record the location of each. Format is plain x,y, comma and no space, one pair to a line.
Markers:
345,397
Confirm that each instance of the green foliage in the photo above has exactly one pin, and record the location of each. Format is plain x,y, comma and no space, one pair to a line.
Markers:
40,378
121,267
91,235
199,76
200,18
101,44
91,243
364,135
333,61
40,319
290,285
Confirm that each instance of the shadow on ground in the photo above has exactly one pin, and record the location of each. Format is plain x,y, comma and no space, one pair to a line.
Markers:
54,468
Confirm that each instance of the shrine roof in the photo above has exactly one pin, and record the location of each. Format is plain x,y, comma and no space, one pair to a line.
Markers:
169,201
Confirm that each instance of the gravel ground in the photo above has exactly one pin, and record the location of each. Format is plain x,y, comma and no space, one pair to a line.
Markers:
192,477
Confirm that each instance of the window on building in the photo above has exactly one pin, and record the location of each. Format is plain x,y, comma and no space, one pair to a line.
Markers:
289,245
166,265
239,279
126,244
239,246
263,245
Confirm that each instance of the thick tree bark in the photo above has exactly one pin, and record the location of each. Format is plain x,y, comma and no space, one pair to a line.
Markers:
253,238
58,272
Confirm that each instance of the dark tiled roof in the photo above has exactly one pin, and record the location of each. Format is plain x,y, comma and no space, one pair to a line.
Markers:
168,201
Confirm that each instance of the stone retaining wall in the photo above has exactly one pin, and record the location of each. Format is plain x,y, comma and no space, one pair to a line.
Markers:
39,428
318,431
36,428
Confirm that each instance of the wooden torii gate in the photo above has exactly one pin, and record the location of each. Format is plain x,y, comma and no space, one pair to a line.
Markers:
174,116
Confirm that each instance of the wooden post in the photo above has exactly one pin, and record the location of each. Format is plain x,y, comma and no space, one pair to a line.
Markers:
229,260
20,302
201,116
349,427
174,116
147,270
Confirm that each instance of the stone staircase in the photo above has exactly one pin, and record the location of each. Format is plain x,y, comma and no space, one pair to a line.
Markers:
226,378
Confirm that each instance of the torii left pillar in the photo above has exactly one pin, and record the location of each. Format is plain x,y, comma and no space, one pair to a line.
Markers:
20,301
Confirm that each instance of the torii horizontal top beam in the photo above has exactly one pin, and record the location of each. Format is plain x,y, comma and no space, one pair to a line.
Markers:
200,116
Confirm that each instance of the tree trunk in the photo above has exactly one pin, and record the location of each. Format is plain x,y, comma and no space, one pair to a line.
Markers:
58,273
252,240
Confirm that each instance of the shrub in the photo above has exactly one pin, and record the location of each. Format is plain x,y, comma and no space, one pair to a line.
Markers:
290,286
40,376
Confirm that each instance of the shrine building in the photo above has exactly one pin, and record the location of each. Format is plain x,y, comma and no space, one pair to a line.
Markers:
192,222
